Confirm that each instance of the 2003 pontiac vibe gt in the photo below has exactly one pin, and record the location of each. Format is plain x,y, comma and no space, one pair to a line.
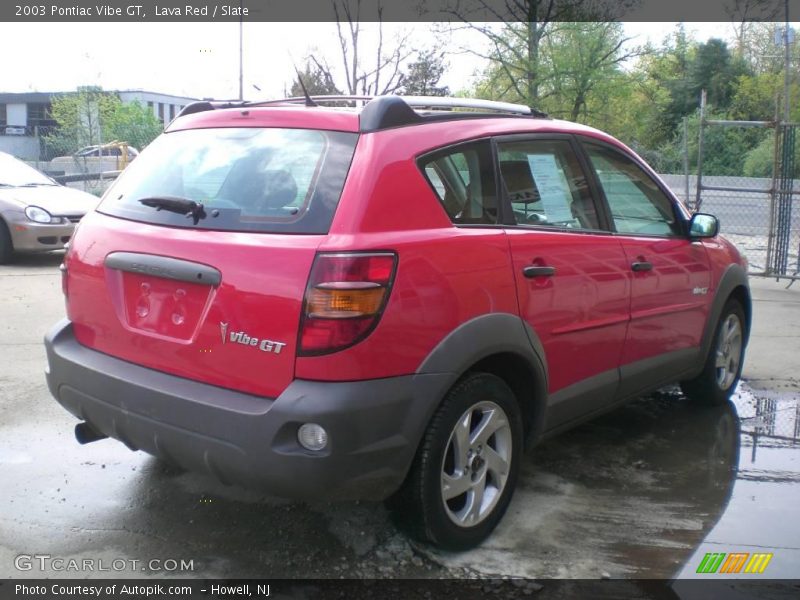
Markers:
388,300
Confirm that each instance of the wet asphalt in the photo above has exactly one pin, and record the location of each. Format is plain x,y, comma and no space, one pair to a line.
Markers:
645,491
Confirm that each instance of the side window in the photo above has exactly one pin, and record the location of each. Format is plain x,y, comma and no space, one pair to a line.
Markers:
546,185
637,204
463,179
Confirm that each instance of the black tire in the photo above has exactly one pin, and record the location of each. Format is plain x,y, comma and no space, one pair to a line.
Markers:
420,506
6,247
715,384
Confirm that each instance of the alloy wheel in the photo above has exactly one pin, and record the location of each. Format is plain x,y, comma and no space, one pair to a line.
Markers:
476,464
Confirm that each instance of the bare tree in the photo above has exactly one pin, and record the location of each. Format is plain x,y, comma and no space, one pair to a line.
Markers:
746,20
315,78
385,75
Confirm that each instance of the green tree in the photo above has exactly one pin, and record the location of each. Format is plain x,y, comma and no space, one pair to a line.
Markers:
579,72
317,79
583,61
133,123
517,35
92,116
760,160
755,97
715,70
423,75
668,69
80,117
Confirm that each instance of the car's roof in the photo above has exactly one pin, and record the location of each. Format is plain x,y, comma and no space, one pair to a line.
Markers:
347,119
290,117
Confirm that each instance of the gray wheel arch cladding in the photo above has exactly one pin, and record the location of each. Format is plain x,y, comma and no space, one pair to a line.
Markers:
489,335
734,277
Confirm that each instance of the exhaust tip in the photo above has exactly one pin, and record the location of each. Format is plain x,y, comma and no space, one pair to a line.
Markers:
85,434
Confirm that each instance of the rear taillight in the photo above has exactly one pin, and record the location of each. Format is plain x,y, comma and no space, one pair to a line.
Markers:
345,297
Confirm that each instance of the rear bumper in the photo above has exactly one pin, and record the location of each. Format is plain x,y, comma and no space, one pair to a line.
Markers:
373,426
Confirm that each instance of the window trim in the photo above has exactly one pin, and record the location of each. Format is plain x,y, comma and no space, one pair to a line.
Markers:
584,140
600,206
431,155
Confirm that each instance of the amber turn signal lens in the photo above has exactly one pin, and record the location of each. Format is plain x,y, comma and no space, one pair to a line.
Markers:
343,303
344,299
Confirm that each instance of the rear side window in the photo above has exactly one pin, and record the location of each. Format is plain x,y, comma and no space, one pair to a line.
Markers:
247,179
546,185
463,179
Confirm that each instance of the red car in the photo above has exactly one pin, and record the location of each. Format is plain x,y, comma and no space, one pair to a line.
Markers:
391,301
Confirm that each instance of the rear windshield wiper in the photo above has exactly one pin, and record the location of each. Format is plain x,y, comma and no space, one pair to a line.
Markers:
176,204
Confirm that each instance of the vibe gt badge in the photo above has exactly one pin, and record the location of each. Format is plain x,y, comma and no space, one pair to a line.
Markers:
240,337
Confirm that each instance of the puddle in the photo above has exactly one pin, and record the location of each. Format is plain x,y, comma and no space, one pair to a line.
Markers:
762,515
640,491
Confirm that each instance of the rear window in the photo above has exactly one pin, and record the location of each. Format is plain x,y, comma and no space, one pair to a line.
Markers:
247,179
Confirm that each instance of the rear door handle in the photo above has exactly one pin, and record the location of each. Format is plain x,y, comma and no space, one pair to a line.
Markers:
641,266
537,271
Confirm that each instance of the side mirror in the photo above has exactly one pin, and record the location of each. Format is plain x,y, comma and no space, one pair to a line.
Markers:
703,226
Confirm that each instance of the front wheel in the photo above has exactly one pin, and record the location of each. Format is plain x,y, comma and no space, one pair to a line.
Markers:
723,366
466,469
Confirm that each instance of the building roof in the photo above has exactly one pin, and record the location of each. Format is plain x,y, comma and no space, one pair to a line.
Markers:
44,97
154,94
28,97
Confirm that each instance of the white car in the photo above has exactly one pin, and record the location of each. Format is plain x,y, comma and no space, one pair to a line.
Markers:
37,214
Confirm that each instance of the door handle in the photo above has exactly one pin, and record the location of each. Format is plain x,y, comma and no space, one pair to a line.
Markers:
641,266
538,271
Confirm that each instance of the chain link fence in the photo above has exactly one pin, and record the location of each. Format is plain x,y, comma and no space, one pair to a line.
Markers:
90,168
758,214
770,421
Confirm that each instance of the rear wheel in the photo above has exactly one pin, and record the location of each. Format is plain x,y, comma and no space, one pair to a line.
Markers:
6,247
723,366
466,469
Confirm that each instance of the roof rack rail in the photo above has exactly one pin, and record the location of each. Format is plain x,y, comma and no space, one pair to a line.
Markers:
435,102
432,102
318,99
383,112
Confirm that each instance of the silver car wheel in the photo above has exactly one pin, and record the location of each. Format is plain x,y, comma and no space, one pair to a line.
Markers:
476,464
728,351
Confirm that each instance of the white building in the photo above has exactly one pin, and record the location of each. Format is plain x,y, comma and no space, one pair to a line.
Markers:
164,106
26,115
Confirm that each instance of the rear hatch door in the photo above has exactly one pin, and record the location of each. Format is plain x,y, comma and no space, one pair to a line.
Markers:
197,260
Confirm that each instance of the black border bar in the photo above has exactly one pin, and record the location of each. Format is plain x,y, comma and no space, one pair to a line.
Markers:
454,11
398,589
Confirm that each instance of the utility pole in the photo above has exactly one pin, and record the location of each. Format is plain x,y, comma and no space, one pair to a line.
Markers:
241,54
786,65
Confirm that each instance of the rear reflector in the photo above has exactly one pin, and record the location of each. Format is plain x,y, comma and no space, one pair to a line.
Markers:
64,279
345,297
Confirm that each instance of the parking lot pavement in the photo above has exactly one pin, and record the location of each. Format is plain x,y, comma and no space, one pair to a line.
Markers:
644,491
772,355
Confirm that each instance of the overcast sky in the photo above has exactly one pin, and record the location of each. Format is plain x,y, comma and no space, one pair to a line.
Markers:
201,59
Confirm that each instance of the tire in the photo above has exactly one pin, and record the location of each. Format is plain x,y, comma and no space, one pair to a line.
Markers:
6,247
461,459
723,367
